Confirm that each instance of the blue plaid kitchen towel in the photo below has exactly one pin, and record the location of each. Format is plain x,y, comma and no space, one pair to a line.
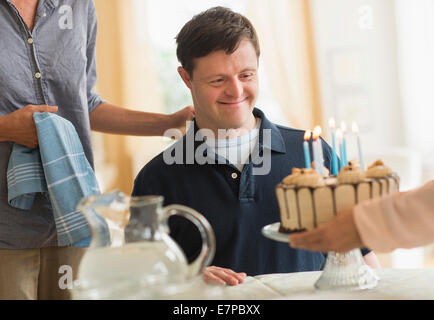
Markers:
58,167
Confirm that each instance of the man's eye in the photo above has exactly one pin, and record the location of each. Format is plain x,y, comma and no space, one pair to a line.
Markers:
247,75
217,81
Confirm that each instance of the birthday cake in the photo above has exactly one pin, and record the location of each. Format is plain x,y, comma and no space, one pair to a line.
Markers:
307,199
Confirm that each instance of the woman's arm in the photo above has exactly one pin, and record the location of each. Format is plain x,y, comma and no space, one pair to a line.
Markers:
113,119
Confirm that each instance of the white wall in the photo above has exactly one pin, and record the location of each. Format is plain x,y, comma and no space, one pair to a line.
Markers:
415,30
356,54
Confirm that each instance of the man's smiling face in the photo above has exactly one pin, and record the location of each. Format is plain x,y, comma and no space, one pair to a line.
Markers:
224,88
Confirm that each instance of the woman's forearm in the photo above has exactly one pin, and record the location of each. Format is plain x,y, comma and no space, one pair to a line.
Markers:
3,129
403,220
113,119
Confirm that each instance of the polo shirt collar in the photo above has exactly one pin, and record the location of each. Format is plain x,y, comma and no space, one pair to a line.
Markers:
277,142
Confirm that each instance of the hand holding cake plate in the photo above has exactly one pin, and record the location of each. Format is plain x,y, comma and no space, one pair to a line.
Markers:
307,200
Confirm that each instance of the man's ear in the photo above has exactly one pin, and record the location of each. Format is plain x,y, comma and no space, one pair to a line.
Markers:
185,76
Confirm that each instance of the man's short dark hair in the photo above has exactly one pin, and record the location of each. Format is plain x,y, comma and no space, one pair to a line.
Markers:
215,29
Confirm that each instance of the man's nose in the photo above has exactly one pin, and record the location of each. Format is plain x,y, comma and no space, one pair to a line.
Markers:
234,88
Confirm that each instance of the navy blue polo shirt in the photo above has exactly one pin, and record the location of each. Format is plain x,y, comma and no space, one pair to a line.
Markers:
237,204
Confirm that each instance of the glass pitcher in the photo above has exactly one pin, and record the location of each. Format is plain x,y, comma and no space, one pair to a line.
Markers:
131,255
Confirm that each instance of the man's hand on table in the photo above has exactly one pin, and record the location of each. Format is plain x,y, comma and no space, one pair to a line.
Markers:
19,126
223,276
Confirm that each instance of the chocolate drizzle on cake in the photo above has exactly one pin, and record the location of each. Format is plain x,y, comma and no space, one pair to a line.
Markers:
288,213
298,209
294,211
335,210
315,223
379,183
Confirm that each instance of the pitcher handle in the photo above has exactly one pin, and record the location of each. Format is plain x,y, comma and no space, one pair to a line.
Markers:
208,238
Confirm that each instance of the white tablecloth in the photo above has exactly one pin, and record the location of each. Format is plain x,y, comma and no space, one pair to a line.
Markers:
393,284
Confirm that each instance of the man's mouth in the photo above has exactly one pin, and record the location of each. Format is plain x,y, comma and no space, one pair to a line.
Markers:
233,103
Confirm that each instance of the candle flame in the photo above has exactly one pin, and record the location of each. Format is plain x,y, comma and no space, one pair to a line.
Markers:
332,123
339,134
343,127
355,128
307,135
317,132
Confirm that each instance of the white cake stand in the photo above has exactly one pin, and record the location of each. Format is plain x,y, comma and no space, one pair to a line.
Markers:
342,271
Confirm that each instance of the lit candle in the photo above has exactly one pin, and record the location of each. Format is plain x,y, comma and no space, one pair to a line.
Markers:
307,137
344,142
318,154
339,137
359,145
332,124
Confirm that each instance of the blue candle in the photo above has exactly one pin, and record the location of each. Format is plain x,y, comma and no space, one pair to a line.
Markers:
344,146
344,143
334,155
306,149
341,147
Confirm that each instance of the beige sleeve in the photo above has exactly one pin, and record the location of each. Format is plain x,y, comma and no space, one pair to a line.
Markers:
404,220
